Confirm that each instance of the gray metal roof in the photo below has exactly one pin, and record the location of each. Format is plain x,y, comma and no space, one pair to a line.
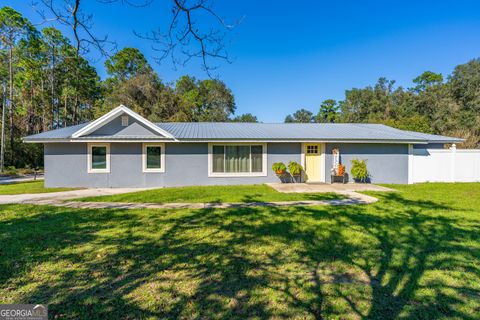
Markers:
216,131
63,133
295,131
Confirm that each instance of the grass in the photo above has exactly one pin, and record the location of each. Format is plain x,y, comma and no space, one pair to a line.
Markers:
210,194
28,187
412,255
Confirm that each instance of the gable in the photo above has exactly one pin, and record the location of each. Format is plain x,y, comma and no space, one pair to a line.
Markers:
115,128
110,125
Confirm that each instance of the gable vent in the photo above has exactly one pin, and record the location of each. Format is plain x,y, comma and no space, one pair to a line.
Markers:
124,121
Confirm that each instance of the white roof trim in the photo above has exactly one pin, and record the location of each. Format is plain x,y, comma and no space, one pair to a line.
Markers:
106,118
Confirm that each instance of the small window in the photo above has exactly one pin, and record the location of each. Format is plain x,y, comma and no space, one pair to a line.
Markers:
98,158
124,121
153,157
312,149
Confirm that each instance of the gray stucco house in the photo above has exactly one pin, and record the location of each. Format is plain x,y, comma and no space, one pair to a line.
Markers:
123,149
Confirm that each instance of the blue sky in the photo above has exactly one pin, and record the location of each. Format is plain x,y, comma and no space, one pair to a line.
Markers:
293,54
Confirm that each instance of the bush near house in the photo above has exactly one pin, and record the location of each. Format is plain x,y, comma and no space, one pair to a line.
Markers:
359,170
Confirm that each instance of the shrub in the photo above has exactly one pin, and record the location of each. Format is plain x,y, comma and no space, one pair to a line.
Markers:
279,167
11,171
359,170
294,168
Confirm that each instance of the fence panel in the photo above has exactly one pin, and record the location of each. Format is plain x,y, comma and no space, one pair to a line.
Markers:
442,165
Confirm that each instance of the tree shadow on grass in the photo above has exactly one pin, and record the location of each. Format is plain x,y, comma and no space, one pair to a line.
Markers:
348,262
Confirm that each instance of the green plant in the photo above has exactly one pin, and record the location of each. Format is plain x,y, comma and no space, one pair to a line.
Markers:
11,171
294,168
279,167
359,170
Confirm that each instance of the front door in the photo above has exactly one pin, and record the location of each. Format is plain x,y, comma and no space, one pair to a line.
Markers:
313,162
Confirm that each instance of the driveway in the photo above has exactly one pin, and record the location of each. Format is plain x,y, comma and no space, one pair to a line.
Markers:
25,178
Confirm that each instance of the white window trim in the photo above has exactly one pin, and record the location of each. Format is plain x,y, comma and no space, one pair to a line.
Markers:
89,158
144,157
212,174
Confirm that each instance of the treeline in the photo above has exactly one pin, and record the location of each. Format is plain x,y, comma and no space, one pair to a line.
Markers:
432,105
48,85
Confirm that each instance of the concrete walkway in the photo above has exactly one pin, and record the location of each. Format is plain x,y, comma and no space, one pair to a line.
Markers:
60,199
64,195
354,198
324,187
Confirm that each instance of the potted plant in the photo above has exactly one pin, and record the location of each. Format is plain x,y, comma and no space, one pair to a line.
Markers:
280,169
359,170
295,170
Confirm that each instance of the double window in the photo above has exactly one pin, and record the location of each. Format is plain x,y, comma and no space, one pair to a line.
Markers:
153,157
98,157
237,160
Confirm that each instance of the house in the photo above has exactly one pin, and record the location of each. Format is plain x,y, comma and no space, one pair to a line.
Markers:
123,149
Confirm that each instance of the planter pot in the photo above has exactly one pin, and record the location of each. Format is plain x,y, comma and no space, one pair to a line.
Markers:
283,177
297,178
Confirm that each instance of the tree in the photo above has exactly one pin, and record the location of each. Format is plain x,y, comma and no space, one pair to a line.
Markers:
301,115
328,111
246,117
205,100
13,28
427,80
127,63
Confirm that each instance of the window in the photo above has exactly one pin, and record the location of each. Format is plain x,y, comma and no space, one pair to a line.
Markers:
124,121
312,149
98,158
237,160
153,157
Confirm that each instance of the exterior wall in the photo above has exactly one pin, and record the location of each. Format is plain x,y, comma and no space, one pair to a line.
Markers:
185,164
387,163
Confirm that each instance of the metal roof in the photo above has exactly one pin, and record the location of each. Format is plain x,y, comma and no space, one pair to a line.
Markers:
60,134
218,131
296,131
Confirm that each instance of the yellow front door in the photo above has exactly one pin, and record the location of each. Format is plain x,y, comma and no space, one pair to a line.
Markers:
313,162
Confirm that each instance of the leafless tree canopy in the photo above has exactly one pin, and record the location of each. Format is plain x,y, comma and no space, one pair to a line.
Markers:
195,30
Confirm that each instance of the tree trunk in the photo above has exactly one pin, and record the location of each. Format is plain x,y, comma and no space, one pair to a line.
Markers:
44,109
10,72
65,107
52,89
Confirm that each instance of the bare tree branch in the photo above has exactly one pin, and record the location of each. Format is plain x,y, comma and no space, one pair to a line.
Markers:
184,38
69,13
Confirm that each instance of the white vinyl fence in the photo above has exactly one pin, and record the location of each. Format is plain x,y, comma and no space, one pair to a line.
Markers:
445,165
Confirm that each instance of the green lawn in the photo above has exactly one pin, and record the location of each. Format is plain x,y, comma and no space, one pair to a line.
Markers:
28,187
415,254
246,193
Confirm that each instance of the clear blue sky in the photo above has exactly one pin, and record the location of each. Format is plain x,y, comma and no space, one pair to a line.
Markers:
292,54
